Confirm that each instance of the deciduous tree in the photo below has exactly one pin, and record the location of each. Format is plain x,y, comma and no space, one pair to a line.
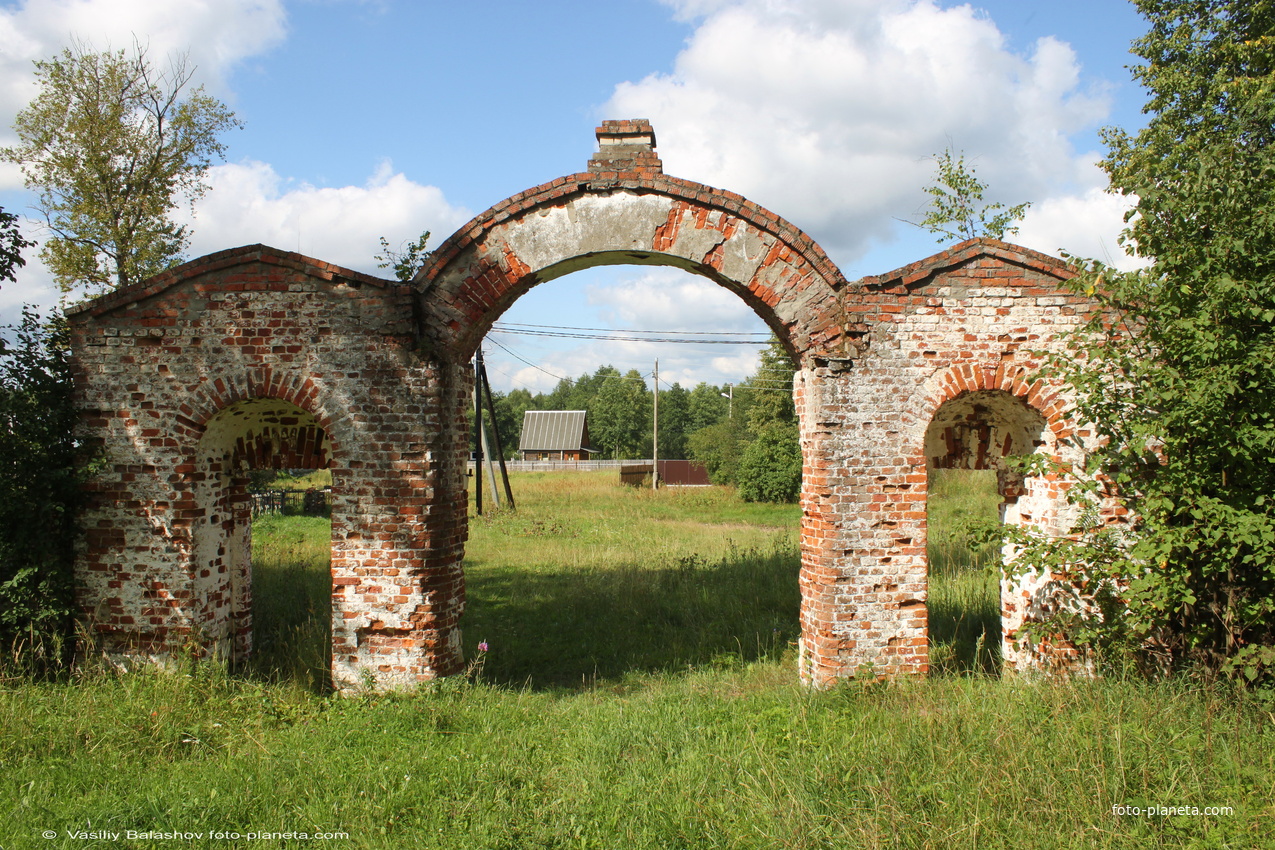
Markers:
113,148
620,417
957,210
1177,372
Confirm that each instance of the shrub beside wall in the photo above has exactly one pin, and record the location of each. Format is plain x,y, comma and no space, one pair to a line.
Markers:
40,492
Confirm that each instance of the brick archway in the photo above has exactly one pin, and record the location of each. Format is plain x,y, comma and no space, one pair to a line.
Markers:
625,210
382,369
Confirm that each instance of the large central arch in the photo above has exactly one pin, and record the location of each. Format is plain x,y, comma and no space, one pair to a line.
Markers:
625,210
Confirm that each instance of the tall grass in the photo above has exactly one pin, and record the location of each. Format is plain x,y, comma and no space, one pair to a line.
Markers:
964,582
577,730
592,581
589,581
292,601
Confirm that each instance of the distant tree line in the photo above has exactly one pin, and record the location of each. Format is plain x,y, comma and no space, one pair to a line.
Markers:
745,434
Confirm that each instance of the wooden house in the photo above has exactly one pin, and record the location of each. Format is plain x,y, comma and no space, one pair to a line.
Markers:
555,435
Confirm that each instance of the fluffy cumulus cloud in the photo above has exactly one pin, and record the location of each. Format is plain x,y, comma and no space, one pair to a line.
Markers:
214,36
829,112
248,202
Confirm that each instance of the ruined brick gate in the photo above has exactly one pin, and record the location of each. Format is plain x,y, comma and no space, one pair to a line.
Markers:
258,358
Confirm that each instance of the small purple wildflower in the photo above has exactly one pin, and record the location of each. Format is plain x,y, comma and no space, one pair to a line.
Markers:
482,646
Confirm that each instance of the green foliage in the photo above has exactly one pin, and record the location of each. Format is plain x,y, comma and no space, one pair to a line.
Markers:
719,447
406,262
770,467
1177,371
770,462
770,390
11,245
40,486
112,149
957,210
706,406
620,416
674,413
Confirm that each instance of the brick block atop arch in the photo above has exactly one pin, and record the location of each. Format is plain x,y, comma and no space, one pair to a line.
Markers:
256,357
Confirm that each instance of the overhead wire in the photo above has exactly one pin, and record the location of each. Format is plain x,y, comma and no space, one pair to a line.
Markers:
629,337
610,334
513,354
631,331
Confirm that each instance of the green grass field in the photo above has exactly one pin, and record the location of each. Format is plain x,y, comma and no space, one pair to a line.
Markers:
638,691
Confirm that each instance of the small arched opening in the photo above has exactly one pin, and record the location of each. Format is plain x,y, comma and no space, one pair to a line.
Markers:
969,445
290,623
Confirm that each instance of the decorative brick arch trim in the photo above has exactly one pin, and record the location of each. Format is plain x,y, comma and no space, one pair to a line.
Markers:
218,395
477,272
1014,379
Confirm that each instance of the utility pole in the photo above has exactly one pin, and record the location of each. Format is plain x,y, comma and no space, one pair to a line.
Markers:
491,473
730,405
495,430
478,430
655,431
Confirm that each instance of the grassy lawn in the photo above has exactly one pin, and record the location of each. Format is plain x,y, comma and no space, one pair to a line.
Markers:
639,691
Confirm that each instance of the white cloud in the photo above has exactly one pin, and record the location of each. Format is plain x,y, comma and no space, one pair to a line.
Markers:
686,365
828,112
671,299
1086,223
248,203
215,35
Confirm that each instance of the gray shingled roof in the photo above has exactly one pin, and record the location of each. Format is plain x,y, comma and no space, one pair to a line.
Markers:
552,430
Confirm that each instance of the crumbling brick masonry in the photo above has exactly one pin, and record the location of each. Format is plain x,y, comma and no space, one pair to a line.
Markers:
258,358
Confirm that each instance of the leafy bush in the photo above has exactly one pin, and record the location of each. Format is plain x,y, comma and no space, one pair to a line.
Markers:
717,447
770,468
40,486
1176,371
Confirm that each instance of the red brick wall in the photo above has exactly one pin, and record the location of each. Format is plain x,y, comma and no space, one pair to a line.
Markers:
256,357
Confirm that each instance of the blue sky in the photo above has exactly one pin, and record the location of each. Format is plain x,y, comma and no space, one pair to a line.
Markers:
384,117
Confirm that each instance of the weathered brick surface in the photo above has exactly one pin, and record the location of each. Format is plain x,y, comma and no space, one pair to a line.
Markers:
256,357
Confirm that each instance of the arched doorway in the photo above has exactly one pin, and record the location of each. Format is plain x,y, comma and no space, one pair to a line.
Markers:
969,447
288,624
590,579
253,434
624,210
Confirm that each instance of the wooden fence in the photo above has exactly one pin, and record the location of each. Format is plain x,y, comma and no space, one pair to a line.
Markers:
292,502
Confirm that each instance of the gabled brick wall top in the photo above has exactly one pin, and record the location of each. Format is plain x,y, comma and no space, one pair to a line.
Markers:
965,252
221,261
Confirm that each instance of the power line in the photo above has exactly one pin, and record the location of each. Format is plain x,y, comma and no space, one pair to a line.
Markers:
511,353
614,337
498,343
614,330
